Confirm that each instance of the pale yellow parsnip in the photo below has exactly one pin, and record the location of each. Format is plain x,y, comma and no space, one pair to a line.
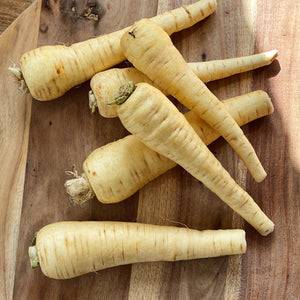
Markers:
70,249
151,51
50,71
106,84
117,170
218,69
149,115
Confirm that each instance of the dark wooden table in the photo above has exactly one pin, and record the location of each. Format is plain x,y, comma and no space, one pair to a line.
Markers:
40,140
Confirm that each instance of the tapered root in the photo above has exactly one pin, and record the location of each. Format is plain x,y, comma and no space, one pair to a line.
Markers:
17,72
78,188
272,55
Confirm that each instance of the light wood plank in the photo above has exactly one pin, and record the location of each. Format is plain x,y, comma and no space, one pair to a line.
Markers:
271,268
10,10
14,128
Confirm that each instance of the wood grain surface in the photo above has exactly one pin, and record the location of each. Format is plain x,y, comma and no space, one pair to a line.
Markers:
63,133
10,10
14,130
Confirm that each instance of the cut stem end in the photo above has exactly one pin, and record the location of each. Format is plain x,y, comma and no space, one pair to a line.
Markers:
79,188
22,86
123,94
34,260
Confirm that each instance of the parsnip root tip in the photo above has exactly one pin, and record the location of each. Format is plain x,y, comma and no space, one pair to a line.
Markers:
123,94
267,101
78,188
92,102
17,72
273,54
269,230
261,176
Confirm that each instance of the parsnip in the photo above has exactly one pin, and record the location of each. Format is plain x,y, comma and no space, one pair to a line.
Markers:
151,51
69,249
117,170
152,117
50,71
217,69
106,84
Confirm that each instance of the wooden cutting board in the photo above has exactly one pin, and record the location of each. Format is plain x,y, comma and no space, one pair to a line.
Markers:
41,140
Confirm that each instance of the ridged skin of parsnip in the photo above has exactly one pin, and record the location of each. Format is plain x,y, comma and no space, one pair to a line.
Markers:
152,52
217,69
119,169
51,71
129,160
106,84
70,249
152,117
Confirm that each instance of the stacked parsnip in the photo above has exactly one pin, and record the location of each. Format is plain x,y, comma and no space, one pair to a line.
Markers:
105,85
157,123
161,138
117,170
105,168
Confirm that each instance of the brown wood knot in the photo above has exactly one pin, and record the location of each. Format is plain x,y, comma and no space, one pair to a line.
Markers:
79,10
43,28
47,5
93,11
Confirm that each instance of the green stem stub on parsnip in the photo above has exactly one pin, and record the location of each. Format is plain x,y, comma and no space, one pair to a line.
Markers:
34,260
123,94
